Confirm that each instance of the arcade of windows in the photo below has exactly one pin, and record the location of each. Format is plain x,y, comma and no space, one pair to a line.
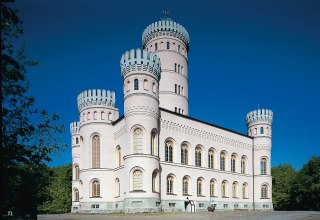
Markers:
199,152
137,185
137,175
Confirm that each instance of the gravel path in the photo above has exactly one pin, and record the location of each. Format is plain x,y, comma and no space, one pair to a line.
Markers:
239,215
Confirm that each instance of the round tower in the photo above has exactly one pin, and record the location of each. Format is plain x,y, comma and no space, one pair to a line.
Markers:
141,74
97,112
76,160
259,123
170,42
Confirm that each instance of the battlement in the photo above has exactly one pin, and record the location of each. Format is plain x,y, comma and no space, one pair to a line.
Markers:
96,97
74,127
172,28
135,60
260,115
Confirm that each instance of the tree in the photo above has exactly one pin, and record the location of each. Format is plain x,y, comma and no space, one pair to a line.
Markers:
29,136
306,187
282,178
58,191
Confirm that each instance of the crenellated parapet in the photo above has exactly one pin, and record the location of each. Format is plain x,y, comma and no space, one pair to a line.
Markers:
140,60
96,98
165,27
74,128
259,116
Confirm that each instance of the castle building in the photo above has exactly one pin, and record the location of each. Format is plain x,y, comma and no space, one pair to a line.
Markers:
156,157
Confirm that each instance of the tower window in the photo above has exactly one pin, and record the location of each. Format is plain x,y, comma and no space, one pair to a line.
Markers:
136,84
261,130
178,68
263,166
175,88
168,45
179,90
156,46
138,141
96,151
178,48
175,67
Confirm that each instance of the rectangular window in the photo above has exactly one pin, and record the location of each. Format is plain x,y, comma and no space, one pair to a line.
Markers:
201,205
168,45
225,205
245,206
172,205
157,204
156,46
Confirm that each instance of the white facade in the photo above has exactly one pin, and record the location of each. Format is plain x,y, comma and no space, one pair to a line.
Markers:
157,158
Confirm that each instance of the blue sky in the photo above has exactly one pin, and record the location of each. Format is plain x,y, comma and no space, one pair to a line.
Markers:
243,53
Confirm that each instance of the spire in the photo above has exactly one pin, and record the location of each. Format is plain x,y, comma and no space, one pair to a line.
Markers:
165,15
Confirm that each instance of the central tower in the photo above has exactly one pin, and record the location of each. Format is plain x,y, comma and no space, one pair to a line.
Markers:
170,42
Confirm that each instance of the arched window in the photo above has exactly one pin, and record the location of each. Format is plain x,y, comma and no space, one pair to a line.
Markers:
117,187
263,166
261,130
137,181
96,151
184,154
95,115
175,109
245,191
178,68
76,172
182,90
178,48
211,159
76,195
198,156
255,131
156,46
154,143
243,164
222,161
175,88
212,187
103,116
169,151
77,140
155,187
136,84
145,84
168,45
138,141
181,69
224,189
235,190
185,185
199,187
264,191
95,188
233,163
119,156
170,185
175,67
154,87
179,89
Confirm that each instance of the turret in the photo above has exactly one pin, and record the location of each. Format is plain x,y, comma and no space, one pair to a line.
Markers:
97,105
141,74
259,124
170,42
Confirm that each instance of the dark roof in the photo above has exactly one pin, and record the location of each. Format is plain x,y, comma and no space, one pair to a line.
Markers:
203,122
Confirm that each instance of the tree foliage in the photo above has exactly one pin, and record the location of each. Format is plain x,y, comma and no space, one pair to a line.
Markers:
58,191
297,190
29,136
282,178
